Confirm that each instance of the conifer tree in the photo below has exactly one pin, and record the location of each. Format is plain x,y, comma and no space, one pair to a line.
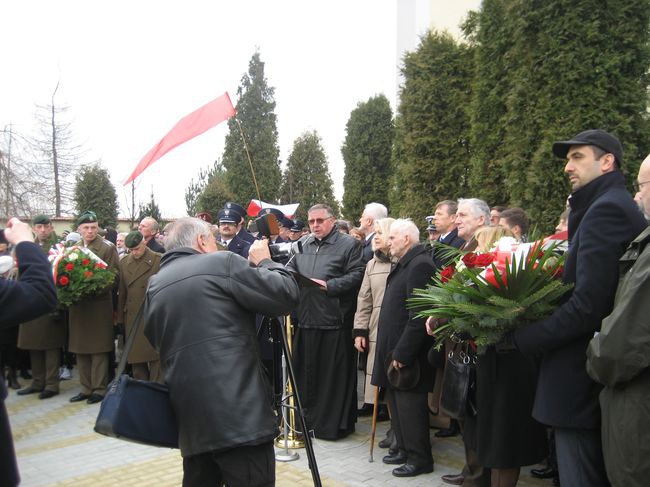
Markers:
94,191
255,111
306,178
366,153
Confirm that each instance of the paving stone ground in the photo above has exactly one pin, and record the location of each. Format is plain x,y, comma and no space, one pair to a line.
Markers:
56,446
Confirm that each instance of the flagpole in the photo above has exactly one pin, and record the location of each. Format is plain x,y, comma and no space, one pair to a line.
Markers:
250,162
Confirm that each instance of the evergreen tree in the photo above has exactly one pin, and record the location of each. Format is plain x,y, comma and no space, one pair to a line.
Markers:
216,192
94,191
150,209
255,111
581,65
306,179
366,153
431,140
194,190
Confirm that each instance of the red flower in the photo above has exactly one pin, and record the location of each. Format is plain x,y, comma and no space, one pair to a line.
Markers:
63,280
88,274
69,266
469,260
447,273
484,260
491,278
85,262
99,265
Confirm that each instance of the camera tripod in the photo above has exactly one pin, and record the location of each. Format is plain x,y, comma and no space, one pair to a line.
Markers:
281,354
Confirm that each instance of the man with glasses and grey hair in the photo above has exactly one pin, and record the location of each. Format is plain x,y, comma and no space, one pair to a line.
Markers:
200,316
371,213
331,270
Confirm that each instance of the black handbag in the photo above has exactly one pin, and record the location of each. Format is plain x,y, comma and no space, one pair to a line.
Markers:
457,381
137,410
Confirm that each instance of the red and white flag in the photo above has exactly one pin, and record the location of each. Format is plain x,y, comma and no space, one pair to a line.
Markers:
188,127
255,206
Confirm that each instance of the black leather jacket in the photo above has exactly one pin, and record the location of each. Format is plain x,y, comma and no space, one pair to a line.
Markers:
336,259
200,316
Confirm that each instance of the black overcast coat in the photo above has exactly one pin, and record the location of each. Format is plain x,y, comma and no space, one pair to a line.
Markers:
603,221
399,330
200,316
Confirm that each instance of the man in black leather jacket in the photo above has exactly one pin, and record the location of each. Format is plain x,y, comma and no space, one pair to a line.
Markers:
200,315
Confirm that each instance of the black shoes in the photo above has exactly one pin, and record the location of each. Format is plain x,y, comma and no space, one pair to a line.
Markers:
409,470
27,390
47,394
542,473
397,459
95,398
79,397
453,430
365,410
454,479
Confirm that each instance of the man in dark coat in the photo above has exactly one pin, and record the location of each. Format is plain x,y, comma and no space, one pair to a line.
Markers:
228,230
332,270
371,213
603,220
209,354
32,295
43,337
149,228
402,340
444,219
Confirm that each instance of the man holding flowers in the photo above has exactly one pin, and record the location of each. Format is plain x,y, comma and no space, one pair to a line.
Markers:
91,319
603,221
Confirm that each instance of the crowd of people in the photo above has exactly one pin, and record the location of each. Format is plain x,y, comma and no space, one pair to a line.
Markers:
553,392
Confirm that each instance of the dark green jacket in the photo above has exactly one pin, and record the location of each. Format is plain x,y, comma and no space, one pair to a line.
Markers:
619,358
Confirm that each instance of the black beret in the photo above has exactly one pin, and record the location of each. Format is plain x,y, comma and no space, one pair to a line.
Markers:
133,239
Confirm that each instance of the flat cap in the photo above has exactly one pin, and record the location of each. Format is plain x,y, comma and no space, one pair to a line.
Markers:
404,378
235,207
228,216
597,137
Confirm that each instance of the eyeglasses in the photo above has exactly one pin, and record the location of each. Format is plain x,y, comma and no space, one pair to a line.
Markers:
638,185
318,221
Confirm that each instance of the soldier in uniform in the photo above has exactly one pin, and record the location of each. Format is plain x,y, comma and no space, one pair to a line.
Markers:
44,336
91,320
228,224
135,270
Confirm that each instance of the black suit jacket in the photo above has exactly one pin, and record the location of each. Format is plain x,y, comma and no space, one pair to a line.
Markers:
155,246
453,240
367,249
603,221
239,246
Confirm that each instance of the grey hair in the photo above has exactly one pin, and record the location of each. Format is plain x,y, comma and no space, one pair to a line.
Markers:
155,227
477,207
321,206
185,232
405,226
376,210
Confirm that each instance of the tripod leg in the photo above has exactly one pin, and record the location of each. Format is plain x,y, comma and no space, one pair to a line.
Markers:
309,447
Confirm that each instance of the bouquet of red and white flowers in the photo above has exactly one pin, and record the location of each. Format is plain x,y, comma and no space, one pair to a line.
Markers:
485,295
78,273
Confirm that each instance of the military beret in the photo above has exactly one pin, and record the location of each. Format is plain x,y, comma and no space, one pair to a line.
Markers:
235,207
272,211
41,220
297,226
87,217
133,239
228,216
404,378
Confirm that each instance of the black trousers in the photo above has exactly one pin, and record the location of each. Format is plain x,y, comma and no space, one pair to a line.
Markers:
410,423
243,466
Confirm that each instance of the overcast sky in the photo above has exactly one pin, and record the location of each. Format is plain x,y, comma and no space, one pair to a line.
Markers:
129,70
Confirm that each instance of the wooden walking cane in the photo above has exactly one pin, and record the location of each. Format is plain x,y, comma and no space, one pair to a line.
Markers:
375,406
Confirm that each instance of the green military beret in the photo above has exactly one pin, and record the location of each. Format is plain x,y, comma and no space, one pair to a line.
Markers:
87,217
41,220
133,239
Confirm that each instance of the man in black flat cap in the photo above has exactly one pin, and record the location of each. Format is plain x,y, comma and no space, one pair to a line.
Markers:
43,337
603,220
228,224
91,320
135,270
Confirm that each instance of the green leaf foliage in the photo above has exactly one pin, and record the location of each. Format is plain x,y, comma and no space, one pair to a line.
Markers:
431,153
256,113
366,153
306,178
94,191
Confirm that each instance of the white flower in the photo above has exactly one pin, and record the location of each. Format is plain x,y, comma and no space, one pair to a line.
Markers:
73,256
